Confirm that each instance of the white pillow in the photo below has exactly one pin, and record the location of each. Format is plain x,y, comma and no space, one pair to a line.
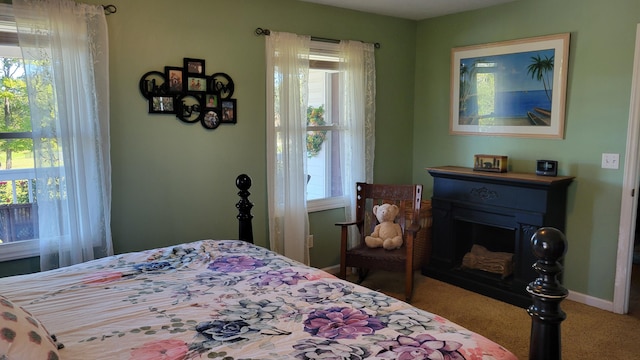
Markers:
22,336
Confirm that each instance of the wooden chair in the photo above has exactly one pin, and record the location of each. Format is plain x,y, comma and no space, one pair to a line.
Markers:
405,259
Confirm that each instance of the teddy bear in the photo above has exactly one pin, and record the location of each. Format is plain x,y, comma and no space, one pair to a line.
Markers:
387,233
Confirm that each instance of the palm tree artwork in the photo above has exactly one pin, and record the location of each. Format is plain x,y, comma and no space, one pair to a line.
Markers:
467,73
540,69
512,88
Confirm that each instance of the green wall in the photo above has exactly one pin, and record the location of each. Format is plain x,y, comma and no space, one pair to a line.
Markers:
597,110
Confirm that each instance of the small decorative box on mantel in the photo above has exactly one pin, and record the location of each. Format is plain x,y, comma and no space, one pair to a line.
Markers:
493,163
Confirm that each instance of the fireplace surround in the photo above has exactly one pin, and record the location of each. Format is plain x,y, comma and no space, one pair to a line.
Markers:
496,211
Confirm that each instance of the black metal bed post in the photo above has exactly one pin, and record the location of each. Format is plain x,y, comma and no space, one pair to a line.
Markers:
549,245
245,229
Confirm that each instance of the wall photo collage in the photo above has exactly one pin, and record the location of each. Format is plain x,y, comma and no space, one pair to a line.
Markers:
191,95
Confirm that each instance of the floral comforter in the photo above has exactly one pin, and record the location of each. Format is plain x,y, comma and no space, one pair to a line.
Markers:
227,299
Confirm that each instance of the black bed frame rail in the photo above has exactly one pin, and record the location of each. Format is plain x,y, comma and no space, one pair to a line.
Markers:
245,229
549,245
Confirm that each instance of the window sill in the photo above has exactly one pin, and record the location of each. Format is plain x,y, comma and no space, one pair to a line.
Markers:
19,250
325,204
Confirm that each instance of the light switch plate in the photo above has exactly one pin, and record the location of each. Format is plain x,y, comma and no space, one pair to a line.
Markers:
610,161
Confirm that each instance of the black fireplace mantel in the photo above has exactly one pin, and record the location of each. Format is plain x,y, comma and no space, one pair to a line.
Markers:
466,203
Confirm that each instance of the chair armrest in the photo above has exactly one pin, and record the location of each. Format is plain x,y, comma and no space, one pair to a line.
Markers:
348,223
413,228
344,231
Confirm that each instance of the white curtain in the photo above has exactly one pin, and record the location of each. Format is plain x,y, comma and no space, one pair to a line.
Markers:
287,58
287,83
358,91
65,49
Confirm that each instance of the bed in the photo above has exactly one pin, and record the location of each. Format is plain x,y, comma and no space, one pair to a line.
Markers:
218,299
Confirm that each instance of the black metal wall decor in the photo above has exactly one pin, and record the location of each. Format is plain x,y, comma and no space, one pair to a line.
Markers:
190,94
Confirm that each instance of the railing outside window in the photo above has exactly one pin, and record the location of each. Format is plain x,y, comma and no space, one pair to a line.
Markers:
18,212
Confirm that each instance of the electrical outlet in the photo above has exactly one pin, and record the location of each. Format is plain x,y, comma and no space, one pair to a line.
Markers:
310,241
610,161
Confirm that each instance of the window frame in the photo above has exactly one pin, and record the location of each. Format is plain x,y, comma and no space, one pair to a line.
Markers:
9,47
321,58
18,250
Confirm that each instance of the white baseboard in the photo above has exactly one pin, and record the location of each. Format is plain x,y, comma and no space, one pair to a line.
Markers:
333,270
591,301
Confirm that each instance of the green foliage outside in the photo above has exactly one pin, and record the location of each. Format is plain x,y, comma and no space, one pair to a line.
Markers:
22,191
315,117
15,117
15,108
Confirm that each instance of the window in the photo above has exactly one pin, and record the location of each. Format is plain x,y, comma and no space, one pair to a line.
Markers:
324,186
346,134
18,213
60,42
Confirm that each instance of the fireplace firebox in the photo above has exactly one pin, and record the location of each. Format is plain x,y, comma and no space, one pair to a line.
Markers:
496,213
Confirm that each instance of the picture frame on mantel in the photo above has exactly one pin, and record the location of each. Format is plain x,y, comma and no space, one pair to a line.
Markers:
512,88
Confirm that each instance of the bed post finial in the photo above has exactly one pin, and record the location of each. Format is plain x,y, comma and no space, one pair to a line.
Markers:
549,245
245,229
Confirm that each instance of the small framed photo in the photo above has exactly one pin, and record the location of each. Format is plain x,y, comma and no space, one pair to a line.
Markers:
211,118
194,66
174,76
212,101
162,105
229,111
196,84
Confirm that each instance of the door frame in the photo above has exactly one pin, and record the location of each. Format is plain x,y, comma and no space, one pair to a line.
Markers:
629,203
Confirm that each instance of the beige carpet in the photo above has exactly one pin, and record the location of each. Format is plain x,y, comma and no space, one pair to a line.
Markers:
587,333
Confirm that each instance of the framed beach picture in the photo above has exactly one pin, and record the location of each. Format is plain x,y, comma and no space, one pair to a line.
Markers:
512,88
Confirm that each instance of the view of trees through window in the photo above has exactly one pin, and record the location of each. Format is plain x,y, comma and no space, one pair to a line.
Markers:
315,117
16,144
321,150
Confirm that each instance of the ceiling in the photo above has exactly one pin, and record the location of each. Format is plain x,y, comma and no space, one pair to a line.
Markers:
411,9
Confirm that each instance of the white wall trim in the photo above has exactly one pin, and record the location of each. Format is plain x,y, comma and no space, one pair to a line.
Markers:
590,300
333,270
629,202
19,250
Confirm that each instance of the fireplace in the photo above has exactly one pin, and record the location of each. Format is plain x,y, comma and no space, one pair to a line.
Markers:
482,226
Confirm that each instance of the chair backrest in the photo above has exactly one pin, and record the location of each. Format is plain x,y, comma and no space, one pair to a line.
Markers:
407,197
